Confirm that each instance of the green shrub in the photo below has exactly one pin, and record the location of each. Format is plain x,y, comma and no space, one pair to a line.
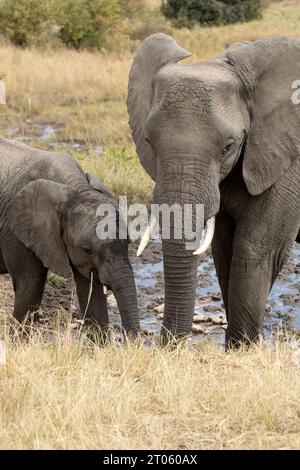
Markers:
87,23
210,12
188,12
241,11
83,23
77,23
22,20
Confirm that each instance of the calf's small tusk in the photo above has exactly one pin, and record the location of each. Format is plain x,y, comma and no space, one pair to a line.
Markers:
207,238
147,235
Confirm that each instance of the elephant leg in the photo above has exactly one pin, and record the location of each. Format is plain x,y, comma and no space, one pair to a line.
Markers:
3,268
29,278
251,279
96,309
222,251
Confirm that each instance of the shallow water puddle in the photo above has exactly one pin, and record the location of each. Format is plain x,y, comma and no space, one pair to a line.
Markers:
47,133
283,308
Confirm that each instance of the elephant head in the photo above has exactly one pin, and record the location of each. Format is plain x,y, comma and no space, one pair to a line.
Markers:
59,224
192,122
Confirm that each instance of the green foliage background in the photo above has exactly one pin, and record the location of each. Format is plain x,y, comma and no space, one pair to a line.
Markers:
88,24
211,12
77,23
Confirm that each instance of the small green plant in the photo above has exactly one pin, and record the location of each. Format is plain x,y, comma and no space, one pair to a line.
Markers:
210,12
55,279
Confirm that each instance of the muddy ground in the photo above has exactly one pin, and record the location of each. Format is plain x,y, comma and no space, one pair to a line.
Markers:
282,310
60,302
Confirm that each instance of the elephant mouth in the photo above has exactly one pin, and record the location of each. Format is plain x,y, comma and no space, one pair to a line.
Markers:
94,274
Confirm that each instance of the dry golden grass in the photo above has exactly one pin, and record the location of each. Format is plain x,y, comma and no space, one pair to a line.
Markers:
62,74
62,394
153,3
56,84
62,86
85,92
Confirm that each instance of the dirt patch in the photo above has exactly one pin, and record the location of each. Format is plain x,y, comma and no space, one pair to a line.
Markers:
59,300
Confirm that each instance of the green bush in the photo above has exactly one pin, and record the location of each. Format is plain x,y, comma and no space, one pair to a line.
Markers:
210,12
83,23
87,23
77,23
240,11
22,20
188,12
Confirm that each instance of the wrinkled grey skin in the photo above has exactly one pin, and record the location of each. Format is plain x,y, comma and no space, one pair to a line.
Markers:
224,133
48,221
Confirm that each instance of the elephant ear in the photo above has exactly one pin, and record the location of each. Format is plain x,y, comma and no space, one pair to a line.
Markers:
154,53
35,218
97,184
269,69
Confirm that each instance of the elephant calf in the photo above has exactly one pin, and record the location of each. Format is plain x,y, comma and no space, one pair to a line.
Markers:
48,221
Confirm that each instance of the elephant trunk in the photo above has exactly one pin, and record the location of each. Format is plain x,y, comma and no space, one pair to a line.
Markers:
180,275
122,283
194,191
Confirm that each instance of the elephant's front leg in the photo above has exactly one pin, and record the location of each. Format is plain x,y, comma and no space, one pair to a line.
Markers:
94,305
251,279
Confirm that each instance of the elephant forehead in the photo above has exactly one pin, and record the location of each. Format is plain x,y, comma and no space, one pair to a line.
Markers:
206,89
198,86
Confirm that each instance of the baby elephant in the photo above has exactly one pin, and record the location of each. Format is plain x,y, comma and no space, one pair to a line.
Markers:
48,220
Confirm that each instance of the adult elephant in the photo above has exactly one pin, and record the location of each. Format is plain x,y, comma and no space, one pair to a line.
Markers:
223,133
49,219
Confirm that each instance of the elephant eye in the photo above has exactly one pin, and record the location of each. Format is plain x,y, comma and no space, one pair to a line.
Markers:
87,250
227,149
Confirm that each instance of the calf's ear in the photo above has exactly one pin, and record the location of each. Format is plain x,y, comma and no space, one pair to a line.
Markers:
35,216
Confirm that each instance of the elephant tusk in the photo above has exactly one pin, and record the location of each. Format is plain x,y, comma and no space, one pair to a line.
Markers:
207,238
104,290
147,235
